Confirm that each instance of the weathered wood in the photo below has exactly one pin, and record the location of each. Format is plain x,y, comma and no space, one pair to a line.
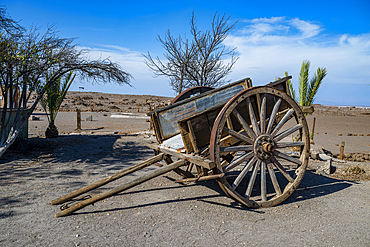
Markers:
243,172
307,109
248,192
202,124
109,179
281,113
203,178
192,138
121,188
167,117
238,135
273,116
287,132
253,117
196,159
282,170
341,150
263,115
244,124
282,122
237,162
313,128
157,128
236,148
274,180
287,157
78,119
263,181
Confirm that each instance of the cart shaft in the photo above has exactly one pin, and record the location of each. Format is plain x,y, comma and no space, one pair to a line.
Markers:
121,188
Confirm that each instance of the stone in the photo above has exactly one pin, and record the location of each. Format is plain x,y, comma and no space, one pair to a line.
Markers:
328,167
315,155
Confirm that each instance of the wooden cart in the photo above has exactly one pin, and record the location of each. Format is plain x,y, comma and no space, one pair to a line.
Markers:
238,134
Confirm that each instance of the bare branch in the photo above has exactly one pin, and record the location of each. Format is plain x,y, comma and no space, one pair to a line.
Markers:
199,62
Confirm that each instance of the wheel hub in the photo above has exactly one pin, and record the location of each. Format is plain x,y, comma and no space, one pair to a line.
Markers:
264,146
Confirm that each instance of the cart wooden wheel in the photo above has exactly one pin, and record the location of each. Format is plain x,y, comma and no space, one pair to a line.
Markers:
265,171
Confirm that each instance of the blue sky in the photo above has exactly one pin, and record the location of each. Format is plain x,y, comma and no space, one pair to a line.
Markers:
271,37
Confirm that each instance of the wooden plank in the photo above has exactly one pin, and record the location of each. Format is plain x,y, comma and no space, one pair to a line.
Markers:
307,109
202,124
196,159
109,179
169,116
192,137
120,188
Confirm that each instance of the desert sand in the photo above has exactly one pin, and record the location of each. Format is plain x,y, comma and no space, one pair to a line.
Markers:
329,210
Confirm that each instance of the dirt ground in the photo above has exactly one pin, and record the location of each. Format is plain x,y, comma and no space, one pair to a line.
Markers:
323,211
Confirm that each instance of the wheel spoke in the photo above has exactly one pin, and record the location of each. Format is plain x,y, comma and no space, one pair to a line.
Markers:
253,118
236,149
273,116
263,181
244,172
238,135
238,161
244,124
263,115
274,180
282,169
248,192
289,144
287,157
282,122
287,132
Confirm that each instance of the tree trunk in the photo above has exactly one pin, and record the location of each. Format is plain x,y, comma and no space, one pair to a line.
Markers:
51,131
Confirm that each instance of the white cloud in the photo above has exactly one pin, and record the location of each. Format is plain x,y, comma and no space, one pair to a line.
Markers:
268,47
131,62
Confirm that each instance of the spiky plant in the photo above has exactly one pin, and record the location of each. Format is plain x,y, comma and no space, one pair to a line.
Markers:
292,91
52,100
307,88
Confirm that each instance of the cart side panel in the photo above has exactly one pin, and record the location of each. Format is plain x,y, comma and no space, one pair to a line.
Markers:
201,127
168,118
202,122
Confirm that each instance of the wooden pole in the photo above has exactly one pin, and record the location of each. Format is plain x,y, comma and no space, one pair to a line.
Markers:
313,128
78,119
109,179
120,188
341,151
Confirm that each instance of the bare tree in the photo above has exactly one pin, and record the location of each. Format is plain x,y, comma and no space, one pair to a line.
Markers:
199,62
25,59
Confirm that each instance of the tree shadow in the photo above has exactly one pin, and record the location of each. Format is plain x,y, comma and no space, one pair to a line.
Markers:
69,156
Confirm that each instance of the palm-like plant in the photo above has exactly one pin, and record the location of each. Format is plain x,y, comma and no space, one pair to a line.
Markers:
52,100
307,89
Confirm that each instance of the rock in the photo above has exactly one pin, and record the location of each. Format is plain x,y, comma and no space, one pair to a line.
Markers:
89,118
328,167
355,170
315,155
324,157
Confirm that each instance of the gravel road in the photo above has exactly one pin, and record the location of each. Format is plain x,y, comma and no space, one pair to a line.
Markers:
321,212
